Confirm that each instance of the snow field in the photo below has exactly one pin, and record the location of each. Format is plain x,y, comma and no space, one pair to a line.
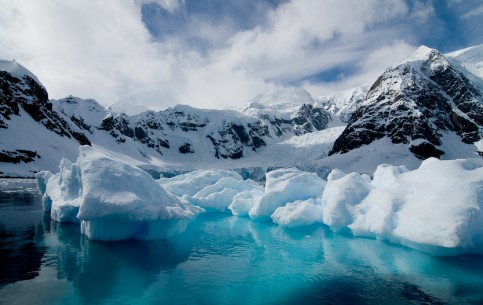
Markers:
436,208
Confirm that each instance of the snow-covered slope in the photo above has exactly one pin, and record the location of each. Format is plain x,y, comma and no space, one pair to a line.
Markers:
471,58
427,105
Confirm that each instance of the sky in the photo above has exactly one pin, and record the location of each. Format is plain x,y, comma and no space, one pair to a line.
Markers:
221,53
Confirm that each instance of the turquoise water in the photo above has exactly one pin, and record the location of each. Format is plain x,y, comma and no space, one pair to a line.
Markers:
221,259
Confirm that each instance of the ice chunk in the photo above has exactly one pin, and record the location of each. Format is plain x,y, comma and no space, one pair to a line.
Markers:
386,174
115,200
211,189
42,178
298,213
244,201
437,208
220,195
284,186
193,182
342,193
62,194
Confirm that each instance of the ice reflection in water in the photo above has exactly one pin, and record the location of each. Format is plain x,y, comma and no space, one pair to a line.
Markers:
220,259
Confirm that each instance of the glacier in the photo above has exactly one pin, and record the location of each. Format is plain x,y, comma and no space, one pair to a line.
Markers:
436,208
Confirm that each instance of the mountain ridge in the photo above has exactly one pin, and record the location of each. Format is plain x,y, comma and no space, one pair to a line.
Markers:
413,104
418,104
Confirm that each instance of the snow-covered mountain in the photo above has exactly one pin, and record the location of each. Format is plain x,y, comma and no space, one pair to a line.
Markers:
31,131
342,104
36,133
429,105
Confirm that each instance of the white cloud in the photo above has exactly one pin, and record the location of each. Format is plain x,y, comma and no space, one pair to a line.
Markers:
102,49
474,13
96,49
370,67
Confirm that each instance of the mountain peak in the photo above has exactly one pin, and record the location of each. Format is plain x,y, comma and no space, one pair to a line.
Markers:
283,96
279,100
127,107
422,53
17,70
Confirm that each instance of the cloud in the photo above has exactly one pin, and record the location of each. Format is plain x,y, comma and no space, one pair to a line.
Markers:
369,68
217,58
474,12
302,38
94,49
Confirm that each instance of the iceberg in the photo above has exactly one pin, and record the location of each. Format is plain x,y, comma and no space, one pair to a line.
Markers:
63,193
437,208
244,201
210,189
220,195
284,186
298,213
193,182
42,178
114,200
342,193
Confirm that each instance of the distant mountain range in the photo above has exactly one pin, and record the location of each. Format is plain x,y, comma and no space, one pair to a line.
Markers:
429,105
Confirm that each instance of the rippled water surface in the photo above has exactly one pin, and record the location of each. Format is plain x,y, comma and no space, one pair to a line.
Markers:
221,259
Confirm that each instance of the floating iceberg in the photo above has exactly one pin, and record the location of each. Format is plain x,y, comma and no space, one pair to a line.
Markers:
298,213
244,201
42,178
437,209
193,182
210,189
63,193
284,186
114,200
342,193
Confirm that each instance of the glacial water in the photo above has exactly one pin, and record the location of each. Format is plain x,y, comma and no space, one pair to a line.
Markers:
221,259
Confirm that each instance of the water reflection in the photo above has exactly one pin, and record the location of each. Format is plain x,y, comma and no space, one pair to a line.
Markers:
364,271
219,259
20,231
102,271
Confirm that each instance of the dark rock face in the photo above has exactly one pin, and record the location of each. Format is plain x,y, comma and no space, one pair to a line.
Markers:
309,119
8,106
17,156
306,120
426,150
234,138
228,139
185,149
29,95
409,103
